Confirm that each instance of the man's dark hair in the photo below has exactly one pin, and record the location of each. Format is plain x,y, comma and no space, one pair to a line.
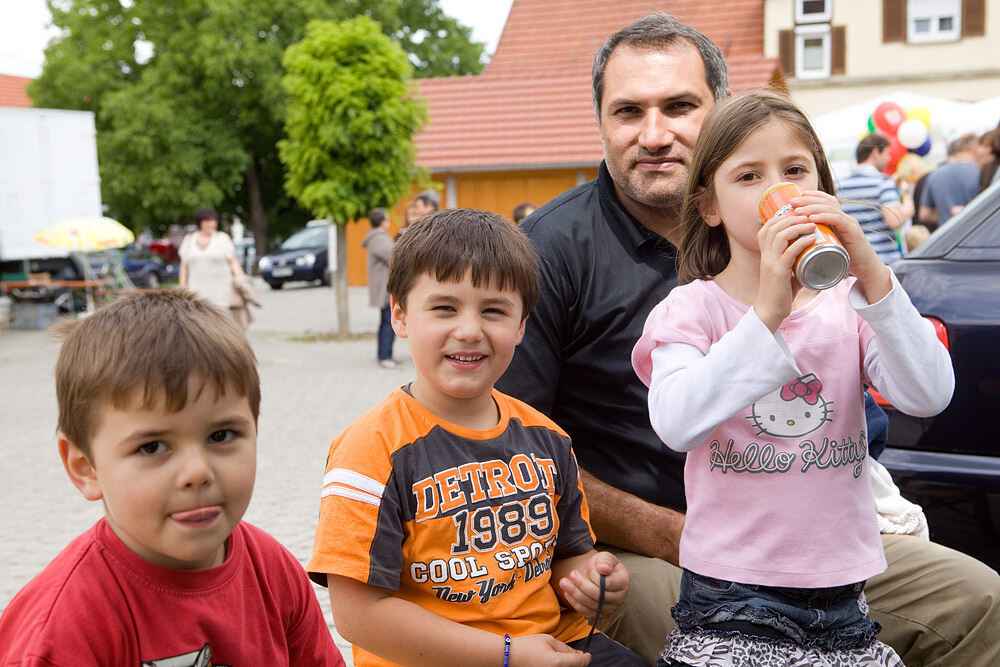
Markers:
659,31
869,144
522,210
206,214
377,216
430,197
962,144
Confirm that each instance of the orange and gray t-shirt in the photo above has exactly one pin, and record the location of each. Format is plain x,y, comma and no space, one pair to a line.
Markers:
464,523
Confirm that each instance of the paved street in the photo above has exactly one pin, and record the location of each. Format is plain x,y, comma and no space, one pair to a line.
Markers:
312,388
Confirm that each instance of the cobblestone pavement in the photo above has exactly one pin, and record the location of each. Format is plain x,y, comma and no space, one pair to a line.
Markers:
312,387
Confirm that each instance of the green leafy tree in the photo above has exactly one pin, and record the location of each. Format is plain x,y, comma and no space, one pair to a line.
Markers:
350,127
188,97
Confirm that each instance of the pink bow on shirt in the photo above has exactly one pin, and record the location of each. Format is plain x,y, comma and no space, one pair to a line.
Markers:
806,387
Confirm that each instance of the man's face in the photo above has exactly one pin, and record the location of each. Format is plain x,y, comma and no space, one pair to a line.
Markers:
421,208
653,106
881,158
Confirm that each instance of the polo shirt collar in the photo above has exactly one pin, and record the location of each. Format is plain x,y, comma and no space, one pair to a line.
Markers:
638,235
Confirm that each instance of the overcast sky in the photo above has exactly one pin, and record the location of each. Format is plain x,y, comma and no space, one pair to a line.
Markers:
23,32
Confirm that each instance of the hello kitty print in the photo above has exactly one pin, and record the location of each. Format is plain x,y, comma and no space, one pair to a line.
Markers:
791,412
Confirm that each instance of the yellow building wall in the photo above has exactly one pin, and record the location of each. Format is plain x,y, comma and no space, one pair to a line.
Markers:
498,192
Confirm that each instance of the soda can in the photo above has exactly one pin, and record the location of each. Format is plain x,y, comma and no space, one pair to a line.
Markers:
824,263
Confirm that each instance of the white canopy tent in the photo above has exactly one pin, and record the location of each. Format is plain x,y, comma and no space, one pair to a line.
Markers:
840,130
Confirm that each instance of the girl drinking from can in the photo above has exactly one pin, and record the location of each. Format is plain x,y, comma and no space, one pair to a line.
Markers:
760,380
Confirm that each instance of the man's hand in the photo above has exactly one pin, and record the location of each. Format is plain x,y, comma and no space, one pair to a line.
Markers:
582,590
544,651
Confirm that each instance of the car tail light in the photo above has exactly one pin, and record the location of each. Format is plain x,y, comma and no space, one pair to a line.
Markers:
942,334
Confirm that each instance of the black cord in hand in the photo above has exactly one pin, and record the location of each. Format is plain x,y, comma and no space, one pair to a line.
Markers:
597,615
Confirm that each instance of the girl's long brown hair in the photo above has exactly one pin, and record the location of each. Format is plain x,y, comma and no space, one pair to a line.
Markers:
704,251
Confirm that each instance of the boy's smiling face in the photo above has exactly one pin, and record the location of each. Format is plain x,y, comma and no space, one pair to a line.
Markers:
462,338
174,484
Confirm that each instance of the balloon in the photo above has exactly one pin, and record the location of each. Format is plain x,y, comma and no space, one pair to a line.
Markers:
912,133
871,124
924,149
921,113
911,167
896,152
888,116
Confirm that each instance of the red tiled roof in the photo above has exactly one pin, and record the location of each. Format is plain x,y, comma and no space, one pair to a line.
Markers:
12,91
532,106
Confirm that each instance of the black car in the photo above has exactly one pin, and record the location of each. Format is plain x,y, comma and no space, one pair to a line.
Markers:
950,464
303,256
144,268
147,269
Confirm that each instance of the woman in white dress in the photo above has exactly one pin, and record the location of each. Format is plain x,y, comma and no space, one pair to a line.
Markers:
208,262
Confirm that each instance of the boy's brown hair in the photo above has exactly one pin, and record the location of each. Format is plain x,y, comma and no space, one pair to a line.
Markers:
143,349
703,250
450,243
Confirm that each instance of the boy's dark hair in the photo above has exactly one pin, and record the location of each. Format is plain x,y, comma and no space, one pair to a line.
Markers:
206,214
377,216
869,144
143,349
451,243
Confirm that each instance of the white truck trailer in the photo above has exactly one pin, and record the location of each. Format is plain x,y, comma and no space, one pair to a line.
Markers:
48,172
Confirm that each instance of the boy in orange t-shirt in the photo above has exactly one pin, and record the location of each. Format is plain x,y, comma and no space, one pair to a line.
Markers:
453,527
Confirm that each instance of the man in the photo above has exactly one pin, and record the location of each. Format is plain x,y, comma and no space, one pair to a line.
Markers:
378,245
607,257
871,197
426,201
952,185
522,211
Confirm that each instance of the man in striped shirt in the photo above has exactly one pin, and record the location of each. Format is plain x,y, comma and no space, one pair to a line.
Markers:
871,197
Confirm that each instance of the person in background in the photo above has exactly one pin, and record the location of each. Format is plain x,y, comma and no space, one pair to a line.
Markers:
208,262
914,236
426,201
953,184
989,171
378,246
607,258
522,211
871,197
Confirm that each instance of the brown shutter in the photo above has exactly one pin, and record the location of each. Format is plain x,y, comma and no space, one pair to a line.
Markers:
786,51
838,50
893,20
973,18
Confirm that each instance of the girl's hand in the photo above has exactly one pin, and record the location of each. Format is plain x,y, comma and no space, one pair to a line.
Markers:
544,651
780,240
584,591
871,273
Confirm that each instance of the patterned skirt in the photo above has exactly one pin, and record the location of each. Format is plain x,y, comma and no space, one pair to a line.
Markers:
700,648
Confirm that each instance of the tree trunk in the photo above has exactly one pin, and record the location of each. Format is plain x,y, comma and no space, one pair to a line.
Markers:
343,317
258,214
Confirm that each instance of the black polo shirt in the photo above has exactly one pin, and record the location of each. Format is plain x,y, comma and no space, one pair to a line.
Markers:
601,274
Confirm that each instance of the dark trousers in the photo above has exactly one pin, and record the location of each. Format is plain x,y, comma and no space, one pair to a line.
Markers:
385,335
606,651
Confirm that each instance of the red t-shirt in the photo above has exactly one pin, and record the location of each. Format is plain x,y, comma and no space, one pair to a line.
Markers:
98,603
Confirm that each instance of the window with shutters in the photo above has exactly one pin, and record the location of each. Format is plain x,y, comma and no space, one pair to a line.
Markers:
933,20
812,51
813,11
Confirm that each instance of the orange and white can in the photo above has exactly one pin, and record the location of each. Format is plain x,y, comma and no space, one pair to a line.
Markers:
824,263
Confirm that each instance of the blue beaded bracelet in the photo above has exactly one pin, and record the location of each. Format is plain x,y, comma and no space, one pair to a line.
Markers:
506,651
